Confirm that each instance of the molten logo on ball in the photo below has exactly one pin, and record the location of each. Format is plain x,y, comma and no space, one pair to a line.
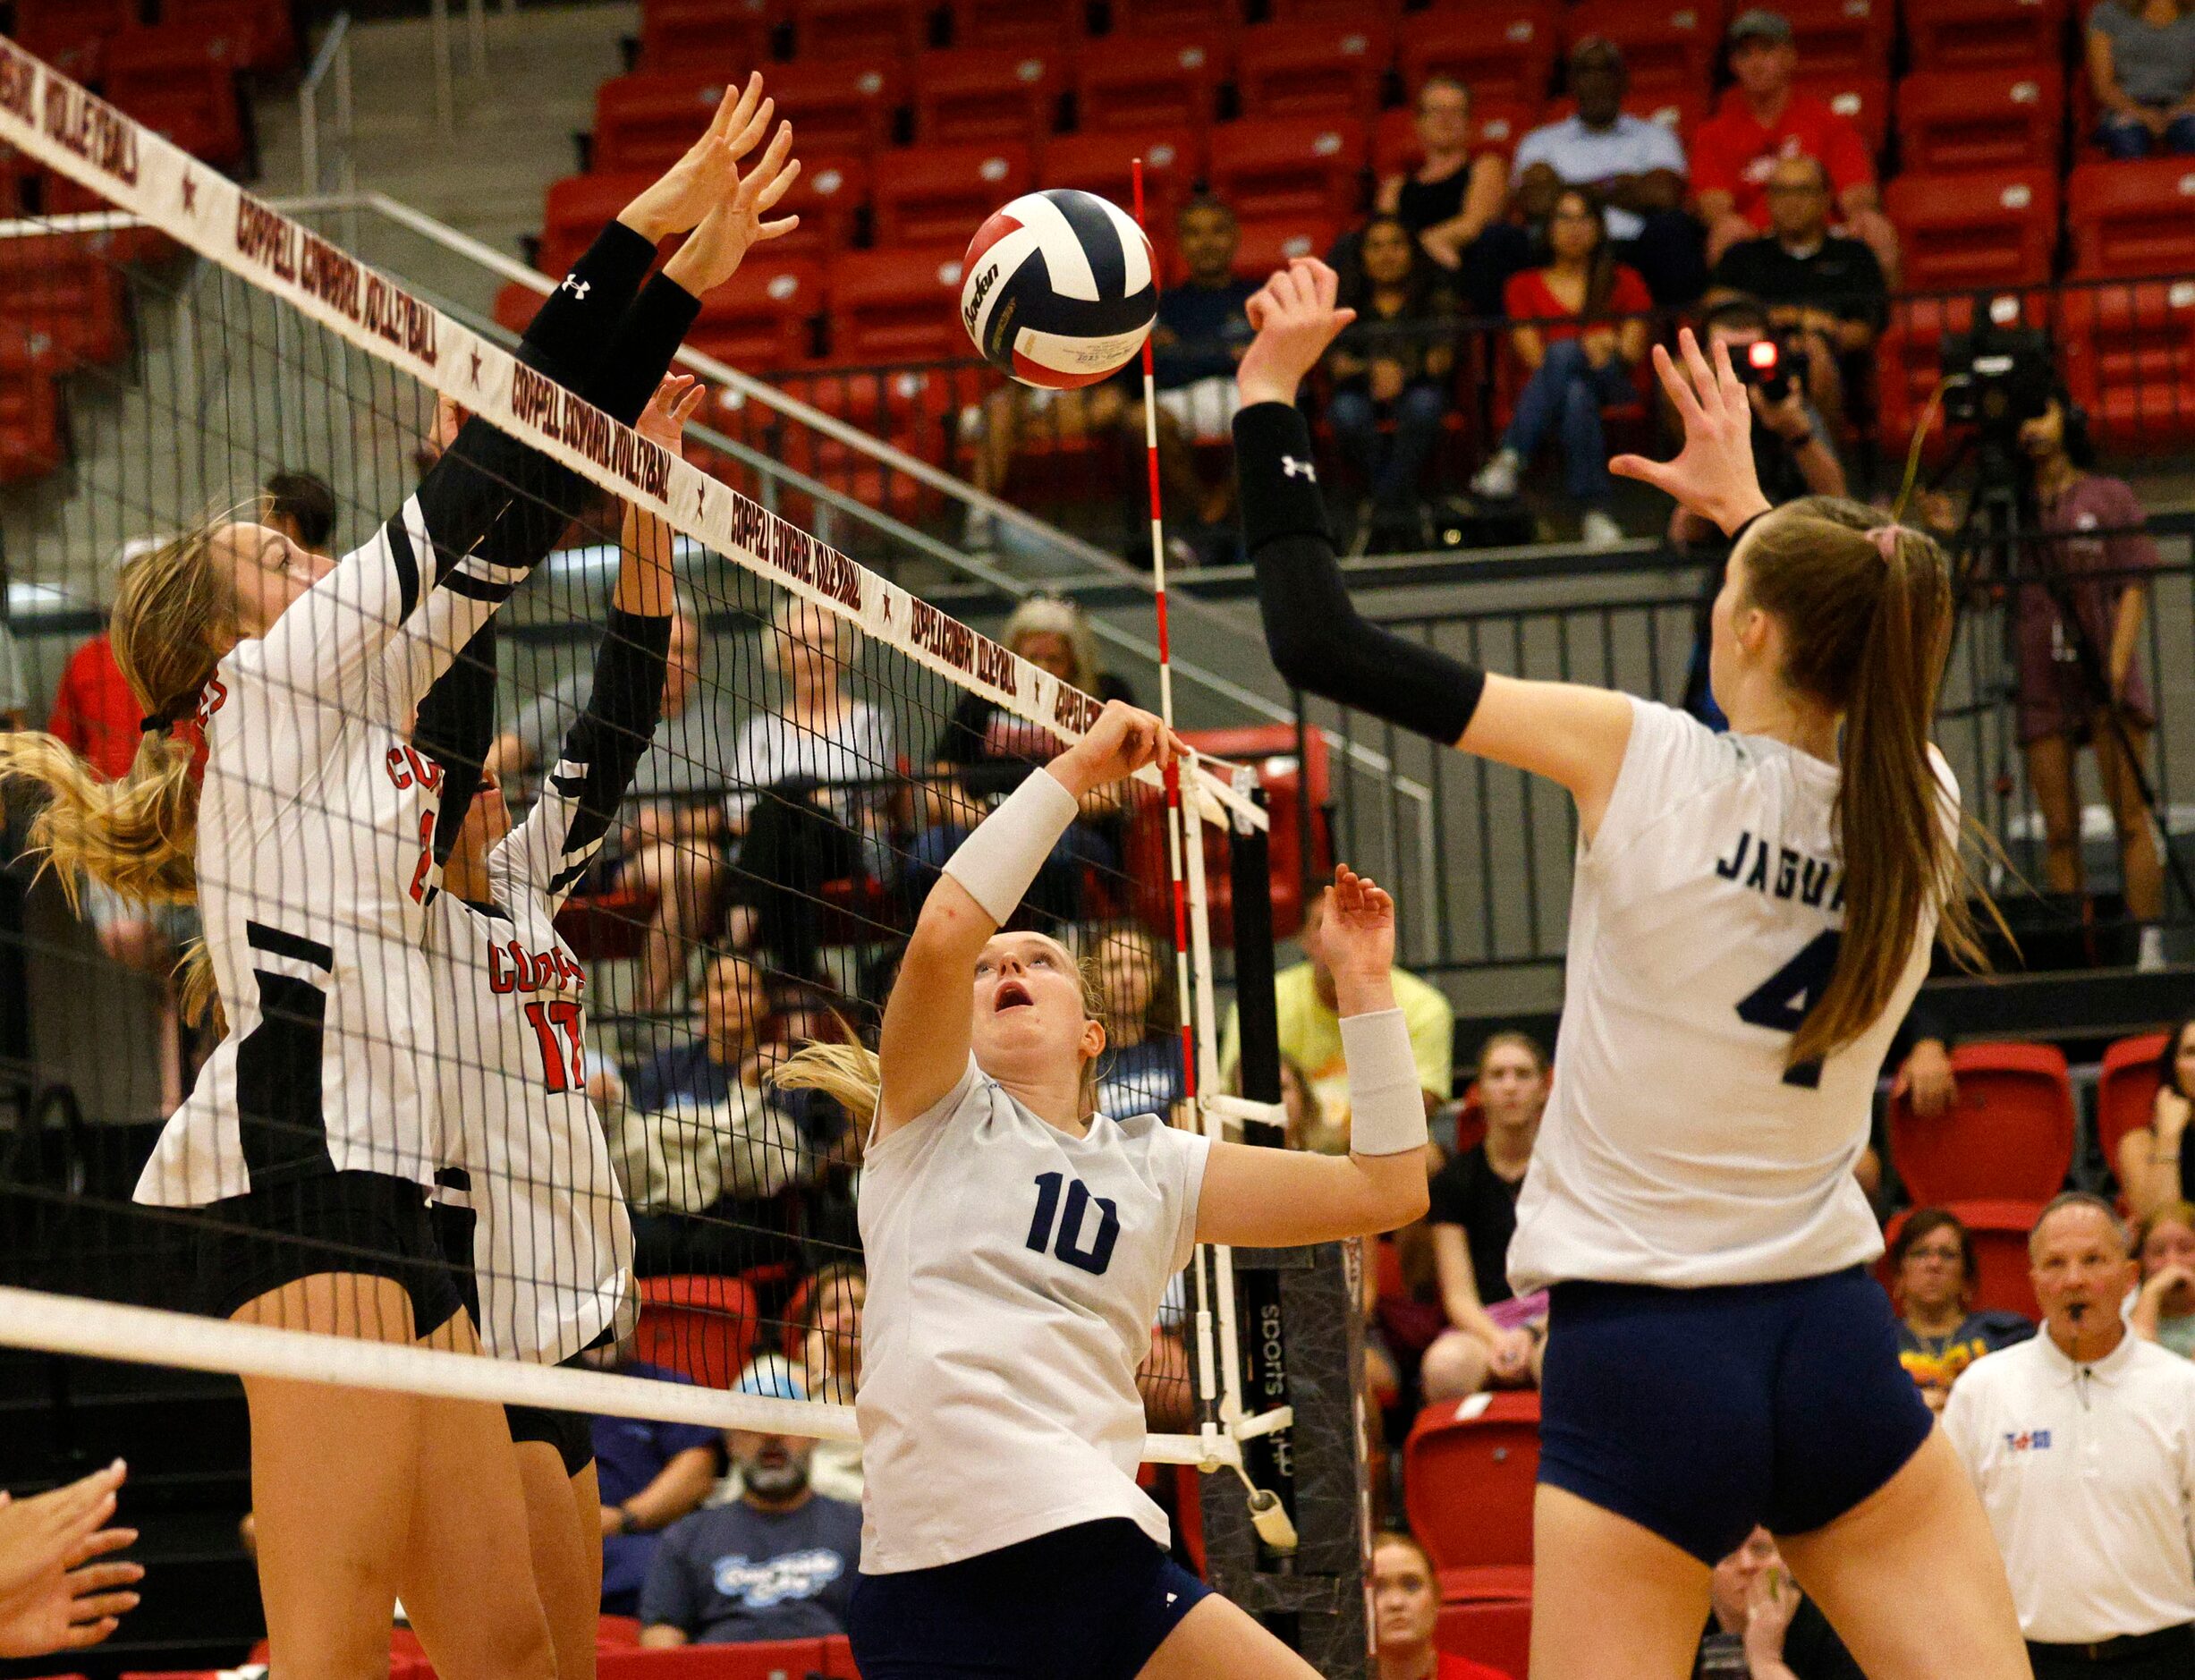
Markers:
1061,289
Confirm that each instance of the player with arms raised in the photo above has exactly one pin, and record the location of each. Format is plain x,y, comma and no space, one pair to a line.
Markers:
1752,916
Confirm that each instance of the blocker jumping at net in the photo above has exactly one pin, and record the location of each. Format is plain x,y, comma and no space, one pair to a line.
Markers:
1751,915
310,1138
1019,1243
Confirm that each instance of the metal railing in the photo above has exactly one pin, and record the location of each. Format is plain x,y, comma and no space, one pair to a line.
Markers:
332,64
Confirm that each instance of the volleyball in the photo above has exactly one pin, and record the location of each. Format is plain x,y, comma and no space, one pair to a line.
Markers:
1059,289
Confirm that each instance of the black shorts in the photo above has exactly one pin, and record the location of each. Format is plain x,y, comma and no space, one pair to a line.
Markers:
1699,1413
1090,1602
373,1223
571,1433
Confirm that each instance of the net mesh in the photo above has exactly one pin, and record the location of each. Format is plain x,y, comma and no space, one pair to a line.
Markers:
630,963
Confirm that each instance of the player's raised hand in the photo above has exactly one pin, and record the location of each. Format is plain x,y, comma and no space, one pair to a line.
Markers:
1295,319
686,192
664,419
1714,474
1122,742
713,253
75,1602
1356,935
39,1533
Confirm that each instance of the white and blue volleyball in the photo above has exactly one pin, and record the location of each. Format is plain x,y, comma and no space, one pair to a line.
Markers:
1059,289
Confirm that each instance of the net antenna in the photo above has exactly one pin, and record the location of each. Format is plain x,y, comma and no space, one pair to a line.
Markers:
1224,1425
272,259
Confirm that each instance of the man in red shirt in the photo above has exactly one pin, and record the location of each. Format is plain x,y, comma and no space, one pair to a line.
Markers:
1405,1606
1762,121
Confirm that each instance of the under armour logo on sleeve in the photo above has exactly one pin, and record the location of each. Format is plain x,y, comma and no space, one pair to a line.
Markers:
1290,467
577,287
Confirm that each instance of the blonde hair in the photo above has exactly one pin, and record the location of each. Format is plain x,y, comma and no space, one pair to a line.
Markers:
1052,615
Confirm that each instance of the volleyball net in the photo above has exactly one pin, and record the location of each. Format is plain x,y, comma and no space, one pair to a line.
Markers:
171,344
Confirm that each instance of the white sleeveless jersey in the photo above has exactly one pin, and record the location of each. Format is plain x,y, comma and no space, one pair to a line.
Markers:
315,869
1677,1148
1014,1273
551,1246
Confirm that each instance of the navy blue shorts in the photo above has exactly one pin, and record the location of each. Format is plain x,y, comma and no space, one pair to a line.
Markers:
1090,1602
1700,1413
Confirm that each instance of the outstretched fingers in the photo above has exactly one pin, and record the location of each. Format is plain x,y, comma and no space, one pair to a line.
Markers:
737,109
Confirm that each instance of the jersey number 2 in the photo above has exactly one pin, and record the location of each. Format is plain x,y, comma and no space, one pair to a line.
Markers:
1062,1242
1780,1002
562,1065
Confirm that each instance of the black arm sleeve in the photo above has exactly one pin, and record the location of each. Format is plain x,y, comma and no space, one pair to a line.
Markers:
608,740
456,725
569,336
1312,628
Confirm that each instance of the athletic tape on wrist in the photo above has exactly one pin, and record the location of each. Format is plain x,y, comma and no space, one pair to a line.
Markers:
997,862
1387,1105
1277,483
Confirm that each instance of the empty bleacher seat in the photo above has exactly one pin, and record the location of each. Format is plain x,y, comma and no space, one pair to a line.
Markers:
576,208
183,84
1103,163
1954,34
713,36
69,34
1141,81
843,102
54,282
860,29
1861,100
828,197
2129,349
1667,45
1495,1631
939,193
1276,241
1979,229
1316,70
1980,119
1468,1472
985,94
1500,49
1841,38
701,1326
2126,1091
2132,220
30,440
1050,26
2009,1137
2000,1233
758,320
646,121
1176,17
1286,166
897,306
263,27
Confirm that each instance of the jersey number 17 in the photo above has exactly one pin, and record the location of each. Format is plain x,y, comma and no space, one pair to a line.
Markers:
1780,1002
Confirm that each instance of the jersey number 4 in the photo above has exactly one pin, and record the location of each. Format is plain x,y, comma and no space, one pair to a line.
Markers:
563,1065
1064,1240
1780,1002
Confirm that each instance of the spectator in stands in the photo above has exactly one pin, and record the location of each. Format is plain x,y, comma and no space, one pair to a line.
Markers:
1762,119
1140,1070
1311,1031
1456,194
2152,1169
1826,290
2141,67
651,1474
2081,1442
670,844
301,506
1580,333
1761,1625
778,1562
1310,1126
985,750
1636,166
1392,368
1405,1610
1492,1340
1933,1270
810,779
824,1326
2164,1309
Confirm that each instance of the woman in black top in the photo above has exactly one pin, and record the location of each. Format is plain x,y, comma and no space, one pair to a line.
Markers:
1453,192
2152,1163
1473,1215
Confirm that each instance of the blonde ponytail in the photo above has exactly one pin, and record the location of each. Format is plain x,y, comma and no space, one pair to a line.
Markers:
850,1075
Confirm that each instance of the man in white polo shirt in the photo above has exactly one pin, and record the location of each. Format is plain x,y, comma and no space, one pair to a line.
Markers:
2082,1442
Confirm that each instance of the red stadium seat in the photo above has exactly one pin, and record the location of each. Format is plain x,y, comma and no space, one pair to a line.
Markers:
841,103
1173,159
712,36
1907,359
69,34
2126,1091
1176,17
1146,82
897,306
183,84
1989,228
1495,1631
838,30
264,26
1502,50
983,95
1841,38
2000,1233
2129,351
1051,26
2009,1138
1276,243
760,319
1966,34
1863,101
1980,119
1669,45
1314,69
1469,1467
54,282
31,444
646,121
932,194
1286,166
2132,220
827,197
575,209
774,1660
703,1326
606,926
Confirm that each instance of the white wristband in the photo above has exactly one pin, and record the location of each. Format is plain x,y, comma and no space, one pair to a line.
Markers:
999,862
1387,1105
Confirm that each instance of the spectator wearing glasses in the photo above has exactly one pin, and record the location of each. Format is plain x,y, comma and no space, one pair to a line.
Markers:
1933,1268
1454,195
2141,68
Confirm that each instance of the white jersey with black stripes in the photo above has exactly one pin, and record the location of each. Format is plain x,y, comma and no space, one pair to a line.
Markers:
315,869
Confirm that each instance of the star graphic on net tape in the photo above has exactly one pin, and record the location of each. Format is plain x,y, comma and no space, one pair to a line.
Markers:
476,368
700,500
190,192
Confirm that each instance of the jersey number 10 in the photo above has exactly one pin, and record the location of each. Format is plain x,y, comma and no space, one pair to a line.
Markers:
1780,1002
1064,1240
